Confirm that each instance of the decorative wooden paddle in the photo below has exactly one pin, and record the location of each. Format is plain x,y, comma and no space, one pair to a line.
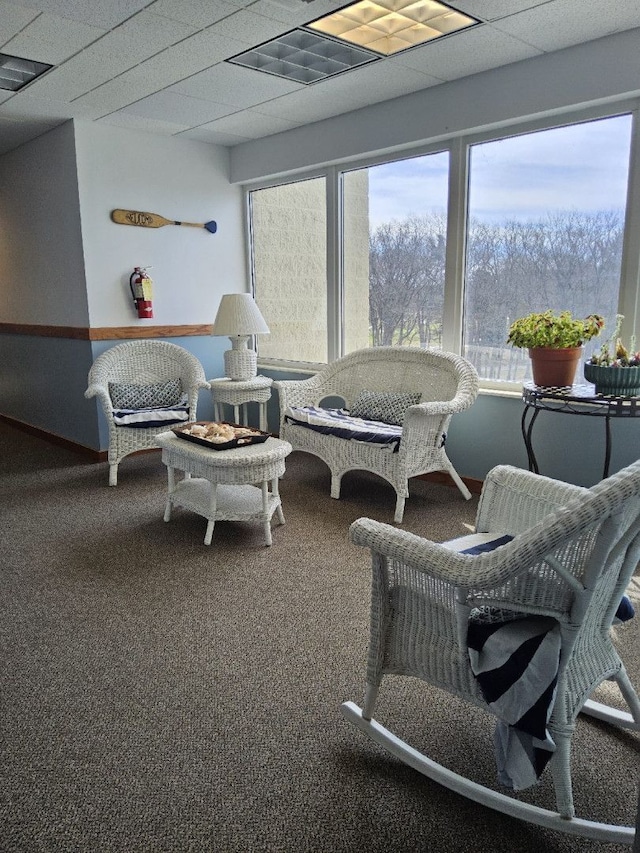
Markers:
153,220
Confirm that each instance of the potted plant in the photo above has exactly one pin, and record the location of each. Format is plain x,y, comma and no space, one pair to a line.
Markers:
615,369
554,342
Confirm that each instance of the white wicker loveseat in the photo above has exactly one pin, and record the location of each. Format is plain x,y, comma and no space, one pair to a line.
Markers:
445,383
144,364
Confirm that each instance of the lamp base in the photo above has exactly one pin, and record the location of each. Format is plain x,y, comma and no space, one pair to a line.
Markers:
240,364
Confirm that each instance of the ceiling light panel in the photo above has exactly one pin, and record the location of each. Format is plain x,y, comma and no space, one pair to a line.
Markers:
304,57
16,73
390,26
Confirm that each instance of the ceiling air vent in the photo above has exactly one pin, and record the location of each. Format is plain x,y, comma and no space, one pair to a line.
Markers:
304,57
15,73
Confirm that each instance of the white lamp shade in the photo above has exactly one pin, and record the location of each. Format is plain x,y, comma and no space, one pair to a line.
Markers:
238,314
239,317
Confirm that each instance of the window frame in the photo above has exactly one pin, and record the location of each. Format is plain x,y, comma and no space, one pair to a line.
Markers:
458,147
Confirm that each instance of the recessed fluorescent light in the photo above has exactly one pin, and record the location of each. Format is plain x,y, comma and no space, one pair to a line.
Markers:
16,73
389,26
304,57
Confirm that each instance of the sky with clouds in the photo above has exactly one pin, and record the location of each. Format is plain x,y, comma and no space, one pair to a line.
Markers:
582,168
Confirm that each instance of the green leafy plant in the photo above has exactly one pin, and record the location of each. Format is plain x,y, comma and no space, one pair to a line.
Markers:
553,331
613,352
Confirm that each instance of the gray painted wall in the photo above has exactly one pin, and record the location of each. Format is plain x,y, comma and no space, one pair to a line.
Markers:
42,278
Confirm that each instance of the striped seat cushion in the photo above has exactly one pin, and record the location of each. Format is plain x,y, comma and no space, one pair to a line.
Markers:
157,416
340,423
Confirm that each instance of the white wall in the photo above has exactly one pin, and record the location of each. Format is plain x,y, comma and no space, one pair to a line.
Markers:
178,179
606,69
41,263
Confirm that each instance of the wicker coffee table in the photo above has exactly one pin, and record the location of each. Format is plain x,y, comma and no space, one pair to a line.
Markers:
225,485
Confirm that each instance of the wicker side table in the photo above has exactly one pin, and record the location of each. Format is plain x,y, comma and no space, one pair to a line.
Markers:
220,484
238,393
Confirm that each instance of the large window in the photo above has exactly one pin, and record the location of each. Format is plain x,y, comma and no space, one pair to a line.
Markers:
447,247
545,231
289,259
393,249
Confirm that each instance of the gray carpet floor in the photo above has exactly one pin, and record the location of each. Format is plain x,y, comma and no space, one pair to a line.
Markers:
161,695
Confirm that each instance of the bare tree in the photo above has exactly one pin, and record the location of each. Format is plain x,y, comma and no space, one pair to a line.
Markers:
566,260
406,273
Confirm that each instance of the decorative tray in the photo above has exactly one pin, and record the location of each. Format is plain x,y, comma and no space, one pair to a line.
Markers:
219,435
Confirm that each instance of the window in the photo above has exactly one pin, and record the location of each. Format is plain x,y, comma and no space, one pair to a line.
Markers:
447,247
393,249
289,260
545,231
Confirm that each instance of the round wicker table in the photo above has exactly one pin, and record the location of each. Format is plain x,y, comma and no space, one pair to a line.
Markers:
220,485
238,393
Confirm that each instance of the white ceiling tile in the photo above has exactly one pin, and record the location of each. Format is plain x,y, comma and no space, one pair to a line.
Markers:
30,107
162,70
251,124
197,13
232,84
52,39
294,13
490,10
240,4
114,95
563,23
150,32
13,19
248,28
106,14
213,136
182,109
470,52
306,106
149,125
192,55
376,82
116,52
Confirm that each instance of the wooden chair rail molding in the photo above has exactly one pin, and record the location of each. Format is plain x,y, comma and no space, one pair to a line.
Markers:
105,333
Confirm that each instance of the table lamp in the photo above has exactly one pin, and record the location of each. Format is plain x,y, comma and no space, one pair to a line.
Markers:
239,317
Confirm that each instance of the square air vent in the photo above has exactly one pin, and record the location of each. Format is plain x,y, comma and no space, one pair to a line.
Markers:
304,57
16,73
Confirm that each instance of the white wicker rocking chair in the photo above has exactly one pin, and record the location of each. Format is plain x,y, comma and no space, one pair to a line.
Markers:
141,362
571,558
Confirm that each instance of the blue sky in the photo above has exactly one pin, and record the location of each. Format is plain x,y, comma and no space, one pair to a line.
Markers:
582,168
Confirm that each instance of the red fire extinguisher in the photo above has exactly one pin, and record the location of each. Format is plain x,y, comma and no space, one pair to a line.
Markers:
141,290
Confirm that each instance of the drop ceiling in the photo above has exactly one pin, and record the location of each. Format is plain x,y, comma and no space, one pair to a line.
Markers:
160,67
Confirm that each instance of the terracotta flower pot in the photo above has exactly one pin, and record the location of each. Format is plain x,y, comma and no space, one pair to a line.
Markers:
554,367
616,381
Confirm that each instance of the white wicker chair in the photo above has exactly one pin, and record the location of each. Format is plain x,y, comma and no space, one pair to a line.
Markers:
141,362
448,384
573,554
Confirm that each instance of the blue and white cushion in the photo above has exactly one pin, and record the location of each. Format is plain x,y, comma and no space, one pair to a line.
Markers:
128,395
340,423
156,416
386,406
